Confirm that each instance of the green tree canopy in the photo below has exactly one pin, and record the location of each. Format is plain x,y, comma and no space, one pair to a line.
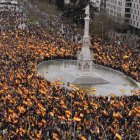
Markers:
76,10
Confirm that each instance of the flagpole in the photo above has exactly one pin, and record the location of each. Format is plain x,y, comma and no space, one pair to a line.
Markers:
71,118
89,137
71,113
74,130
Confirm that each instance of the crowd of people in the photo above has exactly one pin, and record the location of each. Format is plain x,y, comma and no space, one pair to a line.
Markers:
11,17
33,108
128,39
57,24
119,57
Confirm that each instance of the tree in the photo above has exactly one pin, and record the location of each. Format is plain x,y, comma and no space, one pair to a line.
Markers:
76,11
102,24
60,4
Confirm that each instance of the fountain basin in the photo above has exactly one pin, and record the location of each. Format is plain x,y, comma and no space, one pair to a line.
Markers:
66,70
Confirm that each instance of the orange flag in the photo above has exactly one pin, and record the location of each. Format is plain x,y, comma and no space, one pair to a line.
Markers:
56,136
39,135
118,136
21,109
77,119
117,115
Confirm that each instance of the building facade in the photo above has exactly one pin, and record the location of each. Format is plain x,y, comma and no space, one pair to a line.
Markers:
97,3
135,14
103,5
8,5
119,10
125,12
14,14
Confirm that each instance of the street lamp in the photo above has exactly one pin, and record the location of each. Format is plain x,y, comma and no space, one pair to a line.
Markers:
134,30
68,85
102,28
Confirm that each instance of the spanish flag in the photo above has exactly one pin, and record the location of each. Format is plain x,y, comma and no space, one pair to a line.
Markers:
49,97
71,95
29,102
51,113
56,136
137,109
64,106
9,118
117,115
62,102
97,129
62,117
58,79
56,98
38,112
59,83
41,107
39,135
77,88
93,89
21,109
44,122
43,112
118,137
83,138
68,112
81,115
72,85
105,112
77,119
29,76
10,110
21,131
24,102
42,92
125,56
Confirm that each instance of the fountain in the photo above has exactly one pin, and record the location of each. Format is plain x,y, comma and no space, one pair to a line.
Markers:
83,73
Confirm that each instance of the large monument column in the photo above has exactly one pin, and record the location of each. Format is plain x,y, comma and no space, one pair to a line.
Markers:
87,19
84,61
67,1
85,71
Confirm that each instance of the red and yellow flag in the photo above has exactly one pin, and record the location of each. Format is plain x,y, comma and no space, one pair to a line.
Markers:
77,119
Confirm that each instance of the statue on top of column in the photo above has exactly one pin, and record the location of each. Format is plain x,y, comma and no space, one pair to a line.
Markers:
87,10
